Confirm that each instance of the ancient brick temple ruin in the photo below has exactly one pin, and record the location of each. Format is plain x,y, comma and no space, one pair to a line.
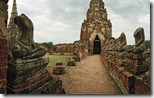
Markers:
129,65
25,70
64,49
96,29
69,49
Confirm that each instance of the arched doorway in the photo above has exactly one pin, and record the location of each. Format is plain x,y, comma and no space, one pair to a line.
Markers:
97,46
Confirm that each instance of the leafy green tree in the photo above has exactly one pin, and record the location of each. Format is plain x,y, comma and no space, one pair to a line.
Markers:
49,45
147,44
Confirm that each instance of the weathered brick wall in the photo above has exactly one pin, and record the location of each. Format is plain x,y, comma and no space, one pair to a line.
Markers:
64,49
129,80
39,83
123,78
143,81
129,65
28,75
3,65
142,86
3,45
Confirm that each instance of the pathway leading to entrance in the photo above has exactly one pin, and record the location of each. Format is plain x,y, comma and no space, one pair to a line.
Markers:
89,77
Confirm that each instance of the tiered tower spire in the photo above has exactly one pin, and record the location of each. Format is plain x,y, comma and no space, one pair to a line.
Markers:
96,24
96,8
12,28
14,13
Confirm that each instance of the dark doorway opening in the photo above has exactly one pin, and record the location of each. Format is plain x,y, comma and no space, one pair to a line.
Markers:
97,46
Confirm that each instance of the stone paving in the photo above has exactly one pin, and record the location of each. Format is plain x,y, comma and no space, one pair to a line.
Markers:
89,76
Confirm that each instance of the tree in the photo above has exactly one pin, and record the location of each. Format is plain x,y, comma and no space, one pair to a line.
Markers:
147,44
49,45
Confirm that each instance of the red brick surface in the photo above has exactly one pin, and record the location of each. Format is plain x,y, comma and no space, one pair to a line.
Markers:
3,65
3,72
142,86
124,73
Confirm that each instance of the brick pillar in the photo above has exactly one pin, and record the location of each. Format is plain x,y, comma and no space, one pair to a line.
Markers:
3,45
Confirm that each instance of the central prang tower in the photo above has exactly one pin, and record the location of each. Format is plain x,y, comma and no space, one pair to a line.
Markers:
96,29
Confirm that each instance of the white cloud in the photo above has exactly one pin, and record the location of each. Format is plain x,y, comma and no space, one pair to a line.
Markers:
60,21
124,25
144,19
128,15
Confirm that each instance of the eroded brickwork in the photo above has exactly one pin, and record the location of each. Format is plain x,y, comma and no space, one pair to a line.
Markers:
3,45
129,65
96,25
64,49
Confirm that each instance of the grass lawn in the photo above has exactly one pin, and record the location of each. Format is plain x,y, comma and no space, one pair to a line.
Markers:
57,58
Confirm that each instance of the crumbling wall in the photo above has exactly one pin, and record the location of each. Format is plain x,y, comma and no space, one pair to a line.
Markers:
3,45
129,65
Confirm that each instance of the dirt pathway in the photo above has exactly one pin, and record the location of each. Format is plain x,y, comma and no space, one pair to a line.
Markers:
89,77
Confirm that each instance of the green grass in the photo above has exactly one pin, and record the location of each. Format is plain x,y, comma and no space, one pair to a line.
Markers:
57,58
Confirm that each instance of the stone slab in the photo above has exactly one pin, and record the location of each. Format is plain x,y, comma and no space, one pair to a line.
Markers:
26,67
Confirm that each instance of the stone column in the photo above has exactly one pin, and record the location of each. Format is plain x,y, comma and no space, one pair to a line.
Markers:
3,45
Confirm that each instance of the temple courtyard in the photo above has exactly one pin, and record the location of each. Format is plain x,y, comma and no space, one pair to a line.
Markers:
101,63
89,76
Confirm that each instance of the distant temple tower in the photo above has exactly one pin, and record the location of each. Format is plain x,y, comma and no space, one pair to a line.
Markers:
96,29
12,28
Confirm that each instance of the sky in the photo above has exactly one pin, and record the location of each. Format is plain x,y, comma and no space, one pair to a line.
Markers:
59,21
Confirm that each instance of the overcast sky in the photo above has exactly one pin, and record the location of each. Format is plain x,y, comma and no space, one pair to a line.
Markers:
59,21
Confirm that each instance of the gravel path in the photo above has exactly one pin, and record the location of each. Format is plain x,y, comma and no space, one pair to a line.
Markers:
89,76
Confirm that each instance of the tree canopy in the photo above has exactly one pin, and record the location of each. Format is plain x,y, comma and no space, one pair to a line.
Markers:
49,45
147,44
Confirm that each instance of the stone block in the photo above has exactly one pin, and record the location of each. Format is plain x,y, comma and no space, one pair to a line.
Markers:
29,88
54,86
77,59
41,82
26,67
59,70
71,63
29,79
